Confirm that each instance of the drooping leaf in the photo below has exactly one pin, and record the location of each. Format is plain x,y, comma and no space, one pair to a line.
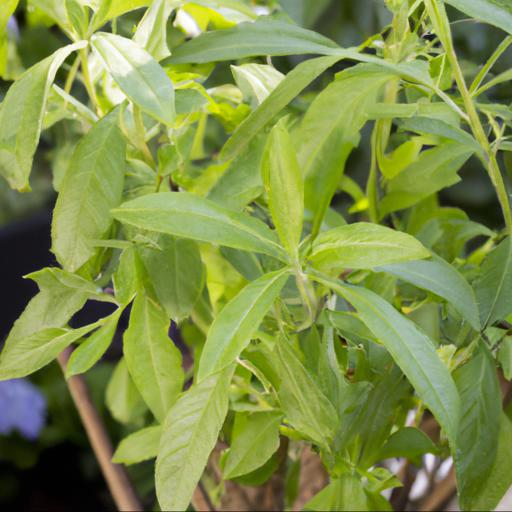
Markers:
189,435
91,350
364,245
441,278
304,405
285,188
292,85
92,185
139,446
328,136
493,287
250,39
494,12
478,433
411,349
140,77
186,215
176,273
235,325
27,355
153,360
21,117
255,440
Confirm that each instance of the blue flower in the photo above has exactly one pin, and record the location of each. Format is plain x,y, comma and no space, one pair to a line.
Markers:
22,408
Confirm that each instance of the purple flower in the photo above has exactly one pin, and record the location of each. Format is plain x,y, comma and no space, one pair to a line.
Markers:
22,408
12,28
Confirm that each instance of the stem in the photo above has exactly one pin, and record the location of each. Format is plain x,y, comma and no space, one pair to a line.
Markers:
72,74
91,91
442,27
489,64
117,479
141,140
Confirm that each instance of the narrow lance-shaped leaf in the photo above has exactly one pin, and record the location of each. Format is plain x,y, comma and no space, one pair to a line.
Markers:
439,277
153,360
330,130
292,85
285,188
412,350
364,245
493,288
235,325
477,437
91,350
92,185
29,354
250,39
139,76
189,435
21,117
189,216
139,446
255,440
305,406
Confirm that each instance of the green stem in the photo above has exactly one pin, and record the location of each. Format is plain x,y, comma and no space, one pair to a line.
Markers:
91,91
72,74
141,139
442,28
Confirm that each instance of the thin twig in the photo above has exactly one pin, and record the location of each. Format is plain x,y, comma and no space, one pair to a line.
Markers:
201,501
115,475
441,494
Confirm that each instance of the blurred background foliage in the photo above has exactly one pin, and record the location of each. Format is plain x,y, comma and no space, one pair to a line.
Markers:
58,470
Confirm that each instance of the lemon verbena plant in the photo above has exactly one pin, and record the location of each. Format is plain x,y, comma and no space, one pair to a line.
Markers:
200,198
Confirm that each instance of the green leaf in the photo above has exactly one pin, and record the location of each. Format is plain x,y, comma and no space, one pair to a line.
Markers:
189,435
153,360
494,12
139,446
477,437
7,10
238,321
21,117
251,39
189,216
151,33
176,273
493,287
138,75
61,295
122,398
92,185
408,442
412,350
241,183
285,188
27,355
439,277
290,87
255,440
328,136
345,493
434,170
305,407
499,479
256,81
364,245
91,350
110,9
505,357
